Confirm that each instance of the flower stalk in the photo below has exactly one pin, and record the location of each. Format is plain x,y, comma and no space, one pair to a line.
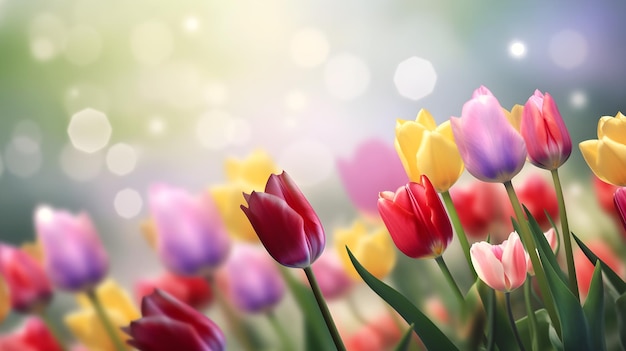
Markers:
106,321
458,229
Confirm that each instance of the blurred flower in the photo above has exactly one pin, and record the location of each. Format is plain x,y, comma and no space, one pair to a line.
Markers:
435,308
604,194
285,222
546,136
425,148
87,327
331,275
620,204
194,291
382,333
584,268
243,176
479,208
5,299
192,239
552,239
33,335
606,156
253,282
169,324
503,267
74,257
416,219
493,151
384,170
515,116
373,249
29,288
539,196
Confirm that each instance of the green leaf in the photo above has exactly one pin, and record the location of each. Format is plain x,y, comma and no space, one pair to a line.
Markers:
403,344
613,277
594,310
500,330
431,336
317,337
543,331
620,305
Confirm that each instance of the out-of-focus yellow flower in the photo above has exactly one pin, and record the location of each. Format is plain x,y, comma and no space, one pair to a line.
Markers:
515,116
242,176
425,148
149,232
87,327
5,301
374,249
606,156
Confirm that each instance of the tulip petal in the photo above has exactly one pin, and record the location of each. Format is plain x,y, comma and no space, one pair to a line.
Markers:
407,143
439,158
488,268
514,262
405,230
159,333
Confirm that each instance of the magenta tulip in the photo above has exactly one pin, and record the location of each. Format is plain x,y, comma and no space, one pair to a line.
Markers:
619,198
542,127
168,324
493,151
503,267
29,287
285,222
416,219
74,257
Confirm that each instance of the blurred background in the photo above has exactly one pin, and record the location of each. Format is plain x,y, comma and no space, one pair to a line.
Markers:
100,99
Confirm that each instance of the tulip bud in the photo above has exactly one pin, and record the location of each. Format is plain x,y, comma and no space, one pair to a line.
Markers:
29,288
503,267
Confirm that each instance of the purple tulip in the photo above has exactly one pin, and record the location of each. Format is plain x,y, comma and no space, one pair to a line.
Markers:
493,151
191,237
74,257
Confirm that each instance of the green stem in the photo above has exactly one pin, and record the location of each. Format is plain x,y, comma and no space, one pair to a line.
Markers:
458,229
450,279
567,241
285,340
532,319
328,318
53,329
106,322
531,248
491,319
512,321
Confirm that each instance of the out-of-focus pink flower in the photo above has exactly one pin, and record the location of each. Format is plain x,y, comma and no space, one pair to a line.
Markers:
374,166
168,324
191,237
33,335
74,257
381,333
253,282
480,207
584,268
285,222
546,136
552,240
194,291
331,276
436,309
503,267
29,288
493,151
416,219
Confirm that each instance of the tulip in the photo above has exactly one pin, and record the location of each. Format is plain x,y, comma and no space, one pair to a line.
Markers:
88,328
74,257
34,335
331,275
382,333
384,170
416,219
546,136
168,324
425,148
192,239
620,204
606,156
194,291
254,283
285,222
244,175
536,193
480,206
605,196
30,289
584,268
503,267
373,249
493,151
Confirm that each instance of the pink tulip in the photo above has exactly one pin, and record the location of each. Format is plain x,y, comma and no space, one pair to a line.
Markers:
331,276
503,267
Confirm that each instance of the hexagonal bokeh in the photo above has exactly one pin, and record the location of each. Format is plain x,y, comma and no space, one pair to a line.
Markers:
415,78
89,130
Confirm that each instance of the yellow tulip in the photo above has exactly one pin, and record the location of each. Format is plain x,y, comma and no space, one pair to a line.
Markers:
242,176
87,327
149,232
374,249
5,300
425,148
606,156
515,116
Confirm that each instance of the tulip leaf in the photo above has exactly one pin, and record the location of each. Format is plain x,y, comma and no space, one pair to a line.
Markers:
615,280
432,337
594,309
405,341
500,329
620,306
543,331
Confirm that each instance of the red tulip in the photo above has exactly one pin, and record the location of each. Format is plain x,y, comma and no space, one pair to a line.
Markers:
416,219
285,222
168,324
604,194
29,287
539,196
584,268
479,208
33,336
194,291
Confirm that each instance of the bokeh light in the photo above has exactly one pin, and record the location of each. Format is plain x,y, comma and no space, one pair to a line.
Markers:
23,156
517,49
121,159
578,99
79,165
128,203
309,47
296,100
89,130
346,76
415,78
48,36
568,49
